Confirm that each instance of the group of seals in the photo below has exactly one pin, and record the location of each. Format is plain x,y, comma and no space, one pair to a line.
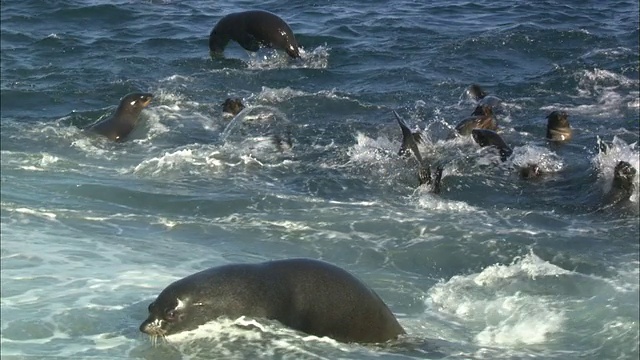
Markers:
251,29
308,295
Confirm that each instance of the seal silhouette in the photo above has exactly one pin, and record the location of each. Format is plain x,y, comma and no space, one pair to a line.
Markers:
252,29
308,295
118,126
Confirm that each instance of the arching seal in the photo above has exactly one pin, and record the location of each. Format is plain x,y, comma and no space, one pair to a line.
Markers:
308,295
118,126
485,137
558,127
232,106
481,118
251,29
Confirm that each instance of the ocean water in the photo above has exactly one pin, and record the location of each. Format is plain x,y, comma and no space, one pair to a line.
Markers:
493,267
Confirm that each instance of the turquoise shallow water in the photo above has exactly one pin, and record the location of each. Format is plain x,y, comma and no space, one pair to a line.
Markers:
494,267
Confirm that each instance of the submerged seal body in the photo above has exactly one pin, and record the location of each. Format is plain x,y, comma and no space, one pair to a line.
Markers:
252,29
558,127
118,126
481,118
485,137
307,295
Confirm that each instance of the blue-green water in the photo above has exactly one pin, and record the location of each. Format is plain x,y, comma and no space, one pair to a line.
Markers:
494,267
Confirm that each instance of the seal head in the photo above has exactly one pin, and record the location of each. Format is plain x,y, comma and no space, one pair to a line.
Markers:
252,29
232,106
558,127
118,126
304,294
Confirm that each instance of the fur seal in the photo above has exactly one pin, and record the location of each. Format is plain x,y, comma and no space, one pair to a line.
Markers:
623,175
308,295
410,141
251,29
530,171
118,126
481,118
558,127
479,95
485,137
232,106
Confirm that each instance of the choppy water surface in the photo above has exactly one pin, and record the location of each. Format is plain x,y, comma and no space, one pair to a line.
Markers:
494,267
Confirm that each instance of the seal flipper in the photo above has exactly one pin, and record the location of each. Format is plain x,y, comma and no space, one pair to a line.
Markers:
409,140
424,175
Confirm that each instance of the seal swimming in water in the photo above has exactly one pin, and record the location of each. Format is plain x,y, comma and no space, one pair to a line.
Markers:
410,141
118,126
481,118
485,137
479,95
232,106
622,186
308,295
251,29
558,127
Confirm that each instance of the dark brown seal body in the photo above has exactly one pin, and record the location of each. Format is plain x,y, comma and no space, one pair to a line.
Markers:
252,29
558,127
307,295
481,118
485,137
232,106
118,126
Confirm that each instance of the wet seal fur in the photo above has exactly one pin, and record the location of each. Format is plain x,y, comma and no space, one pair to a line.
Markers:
232,106
118,126
308,295
622,186
481,118
558,127
410,141
252,29
485,137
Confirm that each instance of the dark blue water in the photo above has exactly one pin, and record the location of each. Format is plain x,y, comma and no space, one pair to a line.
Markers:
494,267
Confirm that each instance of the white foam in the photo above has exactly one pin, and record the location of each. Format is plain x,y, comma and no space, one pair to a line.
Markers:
547,160
503,318
605,164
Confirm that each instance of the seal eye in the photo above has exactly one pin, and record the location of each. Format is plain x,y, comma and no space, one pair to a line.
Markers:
171,315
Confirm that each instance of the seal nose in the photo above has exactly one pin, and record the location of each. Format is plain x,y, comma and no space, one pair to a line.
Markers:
144,327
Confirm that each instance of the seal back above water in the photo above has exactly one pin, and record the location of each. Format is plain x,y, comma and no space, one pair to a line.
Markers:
308,295
252,29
